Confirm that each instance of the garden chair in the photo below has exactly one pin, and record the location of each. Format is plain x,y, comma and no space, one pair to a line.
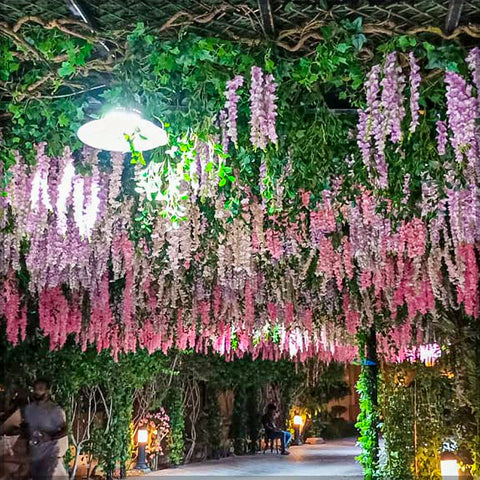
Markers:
272,443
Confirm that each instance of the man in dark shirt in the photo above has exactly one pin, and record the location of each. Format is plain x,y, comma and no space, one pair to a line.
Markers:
272,431
44,427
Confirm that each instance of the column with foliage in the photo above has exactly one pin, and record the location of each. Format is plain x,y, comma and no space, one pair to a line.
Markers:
368,422
176,446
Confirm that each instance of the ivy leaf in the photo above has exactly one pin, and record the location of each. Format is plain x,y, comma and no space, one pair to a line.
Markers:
357,24
359,40
66,69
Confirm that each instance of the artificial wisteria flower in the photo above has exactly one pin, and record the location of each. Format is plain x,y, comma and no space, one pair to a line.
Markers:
406,189
263,109
393,85
415,80
462,113
442,137
473,61
369,121
64,191
231,106
257,120
222,122
270,107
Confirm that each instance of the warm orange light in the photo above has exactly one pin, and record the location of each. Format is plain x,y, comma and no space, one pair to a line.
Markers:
298,420
449,466
142,436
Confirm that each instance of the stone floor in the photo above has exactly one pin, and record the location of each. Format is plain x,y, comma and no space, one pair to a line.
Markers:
334,459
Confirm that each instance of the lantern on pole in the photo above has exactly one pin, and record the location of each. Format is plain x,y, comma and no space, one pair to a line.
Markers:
142,440
297,424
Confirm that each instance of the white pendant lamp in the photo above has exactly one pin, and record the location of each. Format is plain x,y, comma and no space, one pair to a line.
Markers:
108,133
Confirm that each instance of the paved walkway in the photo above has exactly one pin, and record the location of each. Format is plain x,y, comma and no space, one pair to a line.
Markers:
334,459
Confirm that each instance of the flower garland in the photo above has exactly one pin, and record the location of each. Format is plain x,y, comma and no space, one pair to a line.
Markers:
272,285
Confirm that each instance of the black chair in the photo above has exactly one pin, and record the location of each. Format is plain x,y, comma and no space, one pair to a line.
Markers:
272,443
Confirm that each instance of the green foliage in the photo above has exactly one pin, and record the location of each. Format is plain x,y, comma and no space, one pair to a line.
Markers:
420,396
367,425
368,419
239,429
212,425
176,442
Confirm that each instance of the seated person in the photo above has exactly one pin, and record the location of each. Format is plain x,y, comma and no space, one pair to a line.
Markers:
272,431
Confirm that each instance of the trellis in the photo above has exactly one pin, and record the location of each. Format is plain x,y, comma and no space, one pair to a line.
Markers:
294,25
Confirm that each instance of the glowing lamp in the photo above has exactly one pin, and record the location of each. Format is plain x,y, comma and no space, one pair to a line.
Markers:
108,133
298,420
142,436
449,466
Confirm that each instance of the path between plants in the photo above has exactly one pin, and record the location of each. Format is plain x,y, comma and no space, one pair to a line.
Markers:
334,459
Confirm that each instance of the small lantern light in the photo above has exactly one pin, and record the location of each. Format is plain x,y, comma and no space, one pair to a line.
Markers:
142,436
298,420
449,466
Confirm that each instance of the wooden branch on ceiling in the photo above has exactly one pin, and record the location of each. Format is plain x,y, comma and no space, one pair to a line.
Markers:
267,18
455,8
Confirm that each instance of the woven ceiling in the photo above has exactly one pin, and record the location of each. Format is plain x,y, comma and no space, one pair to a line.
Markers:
242,18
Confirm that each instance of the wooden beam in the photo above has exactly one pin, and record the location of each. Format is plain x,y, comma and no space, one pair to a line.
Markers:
267,18
454,13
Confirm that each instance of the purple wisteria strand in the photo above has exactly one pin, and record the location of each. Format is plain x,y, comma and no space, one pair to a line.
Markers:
231,106
39,196
222,123
269,99
369,119
64,190
462,112
406,189
258,126
473,60
363,140
393,85
442,137
415,80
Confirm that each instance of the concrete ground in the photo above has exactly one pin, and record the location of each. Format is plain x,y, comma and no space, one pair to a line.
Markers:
334,459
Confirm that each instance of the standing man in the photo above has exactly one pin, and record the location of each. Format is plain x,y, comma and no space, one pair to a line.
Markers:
272,431
44,426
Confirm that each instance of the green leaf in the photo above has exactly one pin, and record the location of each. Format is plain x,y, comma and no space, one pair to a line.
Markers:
66,69
359,40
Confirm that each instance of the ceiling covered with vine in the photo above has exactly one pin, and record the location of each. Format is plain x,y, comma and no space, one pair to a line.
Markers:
294,25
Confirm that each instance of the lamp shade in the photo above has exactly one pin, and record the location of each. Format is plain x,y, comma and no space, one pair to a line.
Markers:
142,436
108,133
298,420
449,466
